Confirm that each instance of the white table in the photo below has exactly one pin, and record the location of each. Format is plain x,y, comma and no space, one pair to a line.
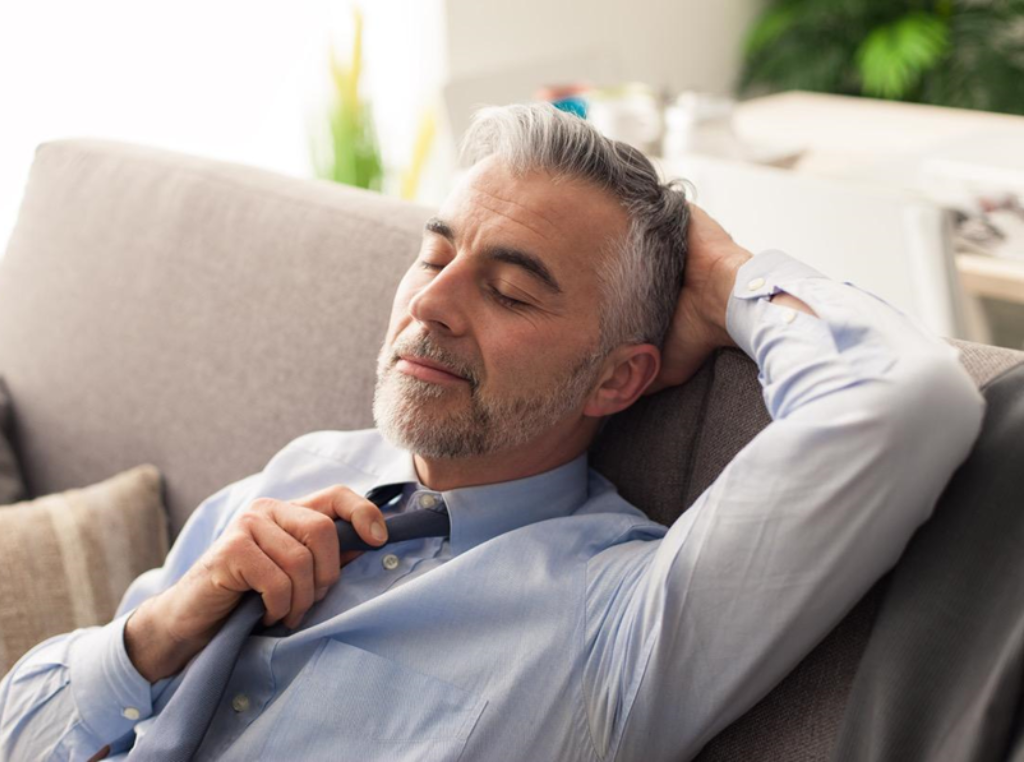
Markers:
883,142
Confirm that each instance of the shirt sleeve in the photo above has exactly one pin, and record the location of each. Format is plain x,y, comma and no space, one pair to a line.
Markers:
75,693
871,416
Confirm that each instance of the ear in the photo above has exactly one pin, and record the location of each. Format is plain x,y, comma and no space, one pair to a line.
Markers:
629,369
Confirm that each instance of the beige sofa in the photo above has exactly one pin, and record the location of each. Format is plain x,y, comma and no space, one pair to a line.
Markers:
198,315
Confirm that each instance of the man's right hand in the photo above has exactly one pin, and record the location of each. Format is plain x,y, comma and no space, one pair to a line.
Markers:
699,326
286,551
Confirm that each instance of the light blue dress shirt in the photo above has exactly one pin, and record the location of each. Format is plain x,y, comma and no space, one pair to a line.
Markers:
558,622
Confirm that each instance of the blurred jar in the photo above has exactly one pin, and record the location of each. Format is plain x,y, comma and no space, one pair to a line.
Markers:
630,113
701,123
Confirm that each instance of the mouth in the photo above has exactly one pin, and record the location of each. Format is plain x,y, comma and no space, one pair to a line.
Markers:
427,370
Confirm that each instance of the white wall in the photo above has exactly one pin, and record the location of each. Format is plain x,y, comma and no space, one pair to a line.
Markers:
238,80
682,44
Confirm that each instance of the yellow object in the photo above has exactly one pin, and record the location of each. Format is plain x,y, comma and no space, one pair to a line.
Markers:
421,150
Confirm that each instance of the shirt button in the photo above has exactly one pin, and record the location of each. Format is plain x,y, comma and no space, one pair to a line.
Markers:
130,713
755,284
240,703
788,316
427,501
390,562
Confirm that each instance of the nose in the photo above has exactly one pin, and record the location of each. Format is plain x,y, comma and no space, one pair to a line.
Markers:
441,303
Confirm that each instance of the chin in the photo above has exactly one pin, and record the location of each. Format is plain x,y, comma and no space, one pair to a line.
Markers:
415,416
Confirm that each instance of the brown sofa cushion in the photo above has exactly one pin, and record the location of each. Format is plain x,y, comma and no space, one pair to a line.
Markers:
66,559
12,488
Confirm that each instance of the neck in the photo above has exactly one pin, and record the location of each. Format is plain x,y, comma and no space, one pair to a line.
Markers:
530,459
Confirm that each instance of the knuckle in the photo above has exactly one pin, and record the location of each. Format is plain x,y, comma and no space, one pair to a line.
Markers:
297,558
235,542
247,520
261,504
321,526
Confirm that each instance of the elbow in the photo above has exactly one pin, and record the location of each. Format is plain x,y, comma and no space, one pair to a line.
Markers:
936,410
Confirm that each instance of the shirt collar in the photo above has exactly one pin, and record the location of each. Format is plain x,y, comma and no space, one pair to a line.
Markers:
484,511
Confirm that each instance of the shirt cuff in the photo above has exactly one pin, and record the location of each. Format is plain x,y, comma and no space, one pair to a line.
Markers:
110,694
760,278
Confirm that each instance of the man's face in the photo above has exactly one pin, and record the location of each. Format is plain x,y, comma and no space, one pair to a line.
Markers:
494,333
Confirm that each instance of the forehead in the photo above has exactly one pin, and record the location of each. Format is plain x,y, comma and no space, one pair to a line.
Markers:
566,222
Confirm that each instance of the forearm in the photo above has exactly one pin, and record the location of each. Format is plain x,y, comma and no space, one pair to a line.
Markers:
70,696
151,645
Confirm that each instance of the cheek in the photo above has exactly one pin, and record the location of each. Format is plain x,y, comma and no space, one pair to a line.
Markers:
400,308
518,358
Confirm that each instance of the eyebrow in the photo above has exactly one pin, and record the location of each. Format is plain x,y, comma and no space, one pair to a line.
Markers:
528,262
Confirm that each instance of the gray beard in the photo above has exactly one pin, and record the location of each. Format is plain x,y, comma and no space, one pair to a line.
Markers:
405,407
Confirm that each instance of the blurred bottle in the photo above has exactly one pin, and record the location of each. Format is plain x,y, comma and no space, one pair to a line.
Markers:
631,113
701,123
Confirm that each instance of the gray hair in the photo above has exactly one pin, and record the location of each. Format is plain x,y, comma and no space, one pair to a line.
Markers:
641,274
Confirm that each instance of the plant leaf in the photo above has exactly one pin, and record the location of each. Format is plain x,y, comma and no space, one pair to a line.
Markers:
767,29
893,58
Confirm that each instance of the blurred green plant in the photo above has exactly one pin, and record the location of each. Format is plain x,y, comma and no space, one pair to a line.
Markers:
962,53
351,154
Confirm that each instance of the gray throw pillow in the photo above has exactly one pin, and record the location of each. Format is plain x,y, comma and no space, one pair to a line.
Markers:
12,486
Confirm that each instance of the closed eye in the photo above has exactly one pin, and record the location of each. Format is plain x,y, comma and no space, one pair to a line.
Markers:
508,301
498,296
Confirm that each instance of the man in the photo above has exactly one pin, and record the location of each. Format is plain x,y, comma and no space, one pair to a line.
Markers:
556,622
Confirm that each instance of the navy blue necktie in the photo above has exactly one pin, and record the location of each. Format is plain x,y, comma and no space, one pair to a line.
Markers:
179,729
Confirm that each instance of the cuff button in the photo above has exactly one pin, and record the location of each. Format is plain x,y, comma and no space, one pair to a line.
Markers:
130,713
755,284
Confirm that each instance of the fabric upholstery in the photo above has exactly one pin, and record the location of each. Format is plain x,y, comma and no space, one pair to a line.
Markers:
66,559
648,450
943,674
12,487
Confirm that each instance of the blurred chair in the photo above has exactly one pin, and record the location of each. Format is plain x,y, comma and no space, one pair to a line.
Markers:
885,240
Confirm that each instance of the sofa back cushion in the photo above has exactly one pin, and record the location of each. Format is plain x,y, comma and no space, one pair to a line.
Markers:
193,314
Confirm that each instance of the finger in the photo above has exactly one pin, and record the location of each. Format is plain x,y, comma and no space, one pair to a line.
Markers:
315,531
252,565
343,503
294,559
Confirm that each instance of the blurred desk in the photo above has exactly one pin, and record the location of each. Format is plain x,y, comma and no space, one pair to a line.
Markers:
991,277
888,143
